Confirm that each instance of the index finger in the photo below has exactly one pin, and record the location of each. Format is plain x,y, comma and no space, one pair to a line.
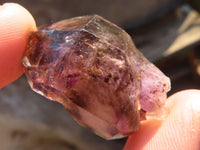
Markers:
15,24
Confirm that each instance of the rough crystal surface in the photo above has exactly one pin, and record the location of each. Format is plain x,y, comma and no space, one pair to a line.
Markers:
93,68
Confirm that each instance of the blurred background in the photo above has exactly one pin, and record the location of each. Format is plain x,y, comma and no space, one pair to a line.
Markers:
166,31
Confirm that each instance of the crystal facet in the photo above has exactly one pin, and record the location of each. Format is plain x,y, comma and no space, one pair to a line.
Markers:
93,68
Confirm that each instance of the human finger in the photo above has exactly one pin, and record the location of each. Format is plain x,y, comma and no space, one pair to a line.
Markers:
15,24
180,129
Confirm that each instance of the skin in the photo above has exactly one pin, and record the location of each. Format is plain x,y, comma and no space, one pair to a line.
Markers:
180,128
15,24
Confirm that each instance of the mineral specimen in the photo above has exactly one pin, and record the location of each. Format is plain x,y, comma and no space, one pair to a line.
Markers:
93,68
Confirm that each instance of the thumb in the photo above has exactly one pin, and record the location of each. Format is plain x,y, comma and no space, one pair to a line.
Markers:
15,24
180,129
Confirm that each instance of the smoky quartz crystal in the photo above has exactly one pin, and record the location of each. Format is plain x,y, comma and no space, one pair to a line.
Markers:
93,68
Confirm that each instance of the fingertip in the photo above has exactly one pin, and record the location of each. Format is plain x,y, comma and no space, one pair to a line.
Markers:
185,99
140,139
15,24
180,129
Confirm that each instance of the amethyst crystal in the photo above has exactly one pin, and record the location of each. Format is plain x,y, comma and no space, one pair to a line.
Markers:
93,68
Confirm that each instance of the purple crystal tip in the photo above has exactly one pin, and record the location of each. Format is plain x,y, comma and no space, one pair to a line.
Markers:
93,68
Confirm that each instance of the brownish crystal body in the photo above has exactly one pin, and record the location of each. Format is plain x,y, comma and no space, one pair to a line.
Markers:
92,67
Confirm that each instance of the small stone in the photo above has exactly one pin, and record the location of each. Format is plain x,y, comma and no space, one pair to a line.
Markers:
93,68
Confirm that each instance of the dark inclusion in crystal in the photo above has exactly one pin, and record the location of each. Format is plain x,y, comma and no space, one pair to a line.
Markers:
93,68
